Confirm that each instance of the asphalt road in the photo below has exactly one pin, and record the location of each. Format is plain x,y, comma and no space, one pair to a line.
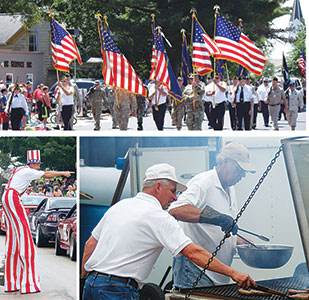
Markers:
87,124
57,275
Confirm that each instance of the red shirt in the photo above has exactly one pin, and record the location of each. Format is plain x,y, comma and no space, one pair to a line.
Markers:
37,94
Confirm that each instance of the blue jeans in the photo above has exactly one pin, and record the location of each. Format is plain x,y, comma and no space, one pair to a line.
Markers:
100,288
185,273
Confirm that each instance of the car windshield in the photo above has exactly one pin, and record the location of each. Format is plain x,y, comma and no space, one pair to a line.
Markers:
54,203
32,200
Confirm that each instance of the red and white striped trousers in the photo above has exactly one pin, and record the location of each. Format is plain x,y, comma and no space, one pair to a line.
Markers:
20,269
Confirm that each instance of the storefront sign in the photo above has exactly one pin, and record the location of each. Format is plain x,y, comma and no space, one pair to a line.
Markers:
17,64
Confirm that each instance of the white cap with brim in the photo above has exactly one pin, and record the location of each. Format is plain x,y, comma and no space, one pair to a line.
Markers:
238,153
164,171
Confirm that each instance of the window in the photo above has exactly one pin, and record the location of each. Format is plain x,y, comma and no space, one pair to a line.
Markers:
32,42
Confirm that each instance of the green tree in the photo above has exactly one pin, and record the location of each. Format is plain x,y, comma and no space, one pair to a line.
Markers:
297,45
130,21
57,153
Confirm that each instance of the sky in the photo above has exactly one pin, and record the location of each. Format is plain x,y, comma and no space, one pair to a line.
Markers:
283,22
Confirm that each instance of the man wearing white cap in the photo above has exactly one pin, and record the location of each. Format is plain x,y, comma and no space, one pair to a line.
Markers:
20,272
207,209
126,243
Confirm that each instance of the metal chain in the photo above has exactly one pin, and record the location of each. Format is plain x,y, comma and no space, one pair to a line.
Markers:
227,235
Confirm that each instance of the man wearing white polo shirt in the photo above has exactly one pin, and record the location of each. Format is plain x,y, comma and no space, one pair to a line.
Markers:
126,243
206,211
217,90
67,101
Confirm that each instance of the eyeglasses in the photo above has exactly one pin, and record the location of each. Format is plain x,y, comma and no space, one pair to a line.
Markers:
217,77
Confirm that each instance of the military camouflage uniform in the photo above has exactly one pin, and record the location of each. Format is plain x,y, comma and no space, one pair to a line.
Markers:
110,104
178,111
195,109
140,111
97,96
122,108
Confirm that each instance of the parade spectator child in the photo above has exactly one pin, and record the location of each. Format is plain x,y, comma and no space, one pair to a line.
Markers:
3,117
46,107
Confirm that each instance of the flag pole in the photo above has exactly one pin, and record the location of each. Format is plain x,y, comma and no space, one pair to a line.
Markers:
183,33
216,9
282,70
193,11
153,29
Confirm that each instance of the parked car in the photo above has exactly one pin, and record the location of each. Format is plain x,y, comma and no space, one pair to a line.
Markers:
65,236
30,203
44,219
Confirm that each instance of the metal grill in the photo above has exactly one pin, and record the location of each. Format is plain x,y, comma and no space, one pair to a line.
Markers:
231,291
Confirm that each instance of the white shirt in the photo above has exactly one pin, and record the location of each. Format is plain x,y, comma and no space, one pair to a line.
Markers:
247,93
262,92
23,177
158,98
131,236
206,189
219,96
18,101
67,100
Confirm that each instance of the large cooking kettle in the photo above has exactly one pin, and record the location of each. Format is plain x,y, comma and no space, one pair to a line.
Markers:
265,256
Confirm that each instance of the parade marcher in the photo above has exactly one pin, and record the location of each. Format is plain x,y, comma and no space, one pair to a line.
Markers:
16,107
275,96
46,108
207,103
121,265
178,108
140,102
29,97
20,271
3,116
217,90
231,105
262,92
294,101
158,97
110,105
244,104
193,97
255,107
67,101
206,211
97,96
124,106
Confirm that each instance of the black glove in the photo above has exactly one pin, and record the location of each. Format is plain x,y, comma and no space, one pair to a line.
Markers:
212,216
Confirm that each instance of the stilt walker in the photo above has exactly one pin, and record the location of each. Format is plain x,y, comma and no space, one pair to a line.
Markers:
20,269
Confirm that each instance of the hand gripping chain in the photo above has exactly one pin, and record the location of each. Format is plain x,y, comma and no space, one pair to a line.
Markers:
257,186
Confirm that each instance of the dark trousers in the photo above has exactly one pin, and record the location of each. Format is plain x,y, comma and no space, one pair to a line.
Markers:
158,115
242,111
255,112
217,116
232,112
40,109
207,109
66,114
265,112
282,112
16,117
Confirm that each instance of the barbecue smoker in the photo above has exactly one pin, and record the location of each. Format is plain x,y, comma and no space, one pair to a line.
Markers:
296,158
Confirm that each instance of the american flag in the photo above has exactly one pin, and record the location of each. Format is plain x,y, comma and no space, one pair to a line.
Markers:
117,70
64,49
203,47
302,62
162,69
235,46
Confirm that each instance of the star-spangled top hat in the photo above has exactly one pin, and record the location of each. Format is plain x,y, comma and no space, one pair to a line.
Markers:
33,156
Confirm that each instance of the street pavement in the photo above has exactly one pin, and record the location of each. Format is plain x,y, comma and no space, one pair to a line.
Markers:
87,124
57,276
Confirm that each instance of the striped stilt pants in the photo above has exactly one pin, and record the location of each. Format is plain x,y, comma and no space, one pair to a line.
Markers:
20,268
